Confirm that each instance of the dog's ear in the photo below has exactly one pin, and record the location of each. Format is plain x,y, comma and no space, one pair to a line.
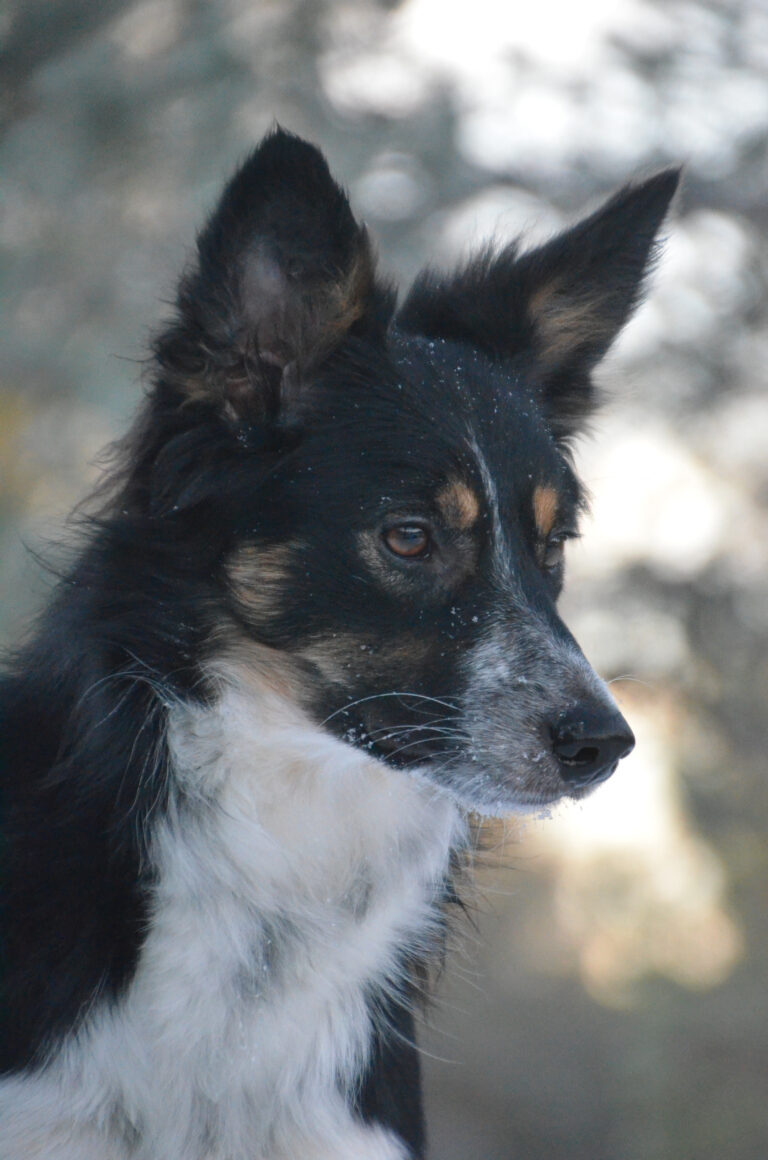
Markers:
282,274
559,306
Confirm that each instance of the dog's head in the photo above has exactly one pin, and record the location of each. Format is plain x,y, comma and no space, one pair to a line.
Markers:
380,500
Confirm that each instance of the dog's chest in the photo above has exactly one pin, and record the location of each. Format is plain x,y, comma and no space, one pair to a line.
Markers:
294,875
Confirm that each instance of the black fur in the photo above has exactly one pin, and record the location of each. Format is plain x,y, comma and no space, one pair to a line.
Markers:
291,406
391,1087
598,267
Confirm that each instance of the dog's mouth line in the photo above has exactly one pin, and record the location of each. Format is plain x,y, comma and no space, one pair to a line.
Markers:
431,749
402,747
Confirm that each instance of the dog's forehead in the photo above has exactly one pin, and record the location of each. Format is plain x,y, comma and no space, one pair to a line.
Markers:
489,417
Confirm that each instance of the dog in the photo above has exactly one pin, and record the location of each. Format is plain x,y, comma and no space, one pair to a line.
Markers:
310,631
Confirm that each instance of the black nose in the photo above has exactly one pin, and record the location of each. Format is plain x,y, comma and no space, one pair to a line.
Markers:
590,744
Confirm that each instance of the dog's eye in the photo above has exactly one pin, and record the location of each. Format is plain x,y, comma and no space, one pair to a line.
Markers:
410,541
553,556
554,552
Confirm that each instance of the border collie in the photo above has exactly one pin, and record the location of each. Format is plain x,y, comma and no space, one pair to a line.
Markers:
311,628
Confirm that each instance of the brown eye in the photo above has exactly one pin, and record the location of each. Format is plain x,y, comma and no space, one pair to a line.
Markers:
408,540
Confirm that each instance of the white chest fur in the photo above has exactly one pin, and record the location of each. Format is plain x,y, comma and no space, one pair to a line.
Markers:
292,872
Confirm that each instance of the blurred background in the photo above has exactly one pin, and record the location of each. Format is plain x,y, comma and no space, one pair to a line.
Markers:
611,1001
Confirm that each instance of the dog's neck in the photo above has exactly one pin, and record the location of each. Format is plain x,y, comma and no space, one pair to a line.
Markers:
301,816
295,879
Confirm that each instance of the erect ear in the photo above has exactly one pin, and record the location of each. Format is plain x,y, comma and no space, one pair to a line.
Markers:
561,305
283,274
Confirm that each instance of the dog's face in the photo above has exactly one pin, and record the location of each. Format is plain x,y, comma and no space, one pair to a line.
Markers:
391,494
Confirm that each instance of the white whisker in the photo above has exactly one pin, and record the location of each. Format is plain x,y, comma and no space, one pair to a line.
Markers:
378,696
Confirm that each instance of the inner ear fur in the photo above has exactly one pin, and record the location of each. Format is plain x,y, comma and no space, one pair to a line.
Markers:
581,287
283,273
291,315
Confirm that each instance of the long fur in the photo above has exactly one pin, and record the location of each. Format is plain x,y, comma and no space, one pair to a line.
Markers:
278,908
311,629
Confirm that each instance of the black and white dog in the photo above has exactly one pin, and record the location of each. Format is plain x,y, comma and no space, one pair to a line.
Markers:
311,628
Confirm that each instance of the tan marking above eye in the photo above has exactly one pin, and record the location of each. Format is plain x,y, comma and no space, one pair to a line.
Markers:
545,507
458,504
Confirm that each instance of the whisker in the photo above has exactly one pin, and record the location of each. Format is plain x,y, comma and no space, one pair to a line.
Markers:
634,680
424,710
410,745
397,730
377,696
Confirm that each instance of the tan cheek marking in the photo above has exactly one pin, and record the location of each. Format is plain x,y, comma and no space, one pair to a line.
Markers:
245,662
545,505
258,576
458,505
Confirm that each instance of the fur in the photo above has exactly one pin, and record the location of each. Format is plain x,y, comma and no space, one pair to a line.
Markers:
312,627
